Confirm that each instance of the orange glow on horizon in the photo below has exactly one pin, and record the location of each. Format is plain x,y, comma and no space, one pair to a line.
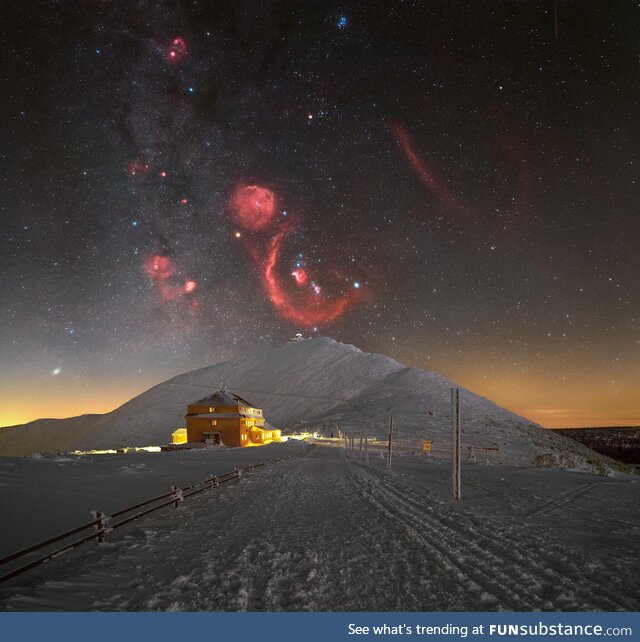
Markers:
60,400
554,400
15,414
576,395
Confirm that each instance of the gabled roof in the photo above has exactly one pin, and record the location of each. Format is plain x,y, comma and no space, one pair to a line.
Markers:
223,398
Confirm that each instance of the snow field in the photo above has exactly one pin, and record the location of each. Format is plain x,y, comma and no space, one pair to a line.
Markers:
326,532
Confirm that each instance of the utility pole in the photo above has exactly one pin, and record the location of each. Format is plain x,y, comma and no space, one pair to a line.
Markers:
455,423
361,438
390,442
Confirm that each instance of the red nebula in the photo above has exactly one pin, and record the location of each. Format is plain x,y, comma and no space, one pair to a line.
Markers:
308,309
159,267
301,277
184,201
137,167
162,270
253,207
171,292
177,50
424,172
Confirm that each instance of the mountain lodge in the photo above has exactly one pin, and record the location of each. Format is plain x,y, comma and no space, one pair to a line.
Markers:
225,418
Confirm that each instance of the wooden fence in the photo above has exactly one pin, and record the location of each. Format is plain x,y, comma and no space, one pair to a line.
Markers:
103,524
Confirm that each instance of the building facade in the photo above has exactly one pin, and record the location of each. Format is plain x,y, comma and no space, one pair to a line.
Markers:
225,418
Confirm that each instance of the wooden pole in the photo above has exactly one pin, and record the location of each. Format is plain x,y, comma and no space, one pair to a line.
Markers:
101,527
390,442
455,422
366,445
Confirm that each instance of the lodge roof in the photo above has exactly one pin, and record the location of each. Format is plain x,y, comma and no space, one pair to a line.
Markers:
223,398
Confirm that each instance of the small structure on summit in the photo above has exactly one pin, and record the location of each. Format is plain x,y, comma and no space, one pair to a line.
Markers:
225,418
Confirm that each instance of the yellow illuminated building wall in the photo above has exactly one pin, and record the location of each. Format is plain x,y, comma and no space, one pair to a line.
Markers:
227,419
179,436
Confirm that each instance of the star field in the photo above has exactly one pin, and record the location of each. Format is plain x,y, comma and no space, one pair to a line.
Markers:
452,184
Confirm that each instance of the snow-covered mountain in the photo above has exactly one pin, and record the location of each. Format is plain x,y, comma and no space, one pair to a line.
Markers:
305,384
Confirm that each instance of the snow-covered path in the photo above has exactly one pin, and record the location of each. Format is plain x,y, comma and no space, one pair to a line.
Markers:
328,533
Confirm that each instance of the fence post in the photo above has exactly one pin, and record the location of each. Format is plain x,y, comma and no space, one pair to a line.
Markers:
238,472
214,481
390,442
177,495
366,445
455,421
101,527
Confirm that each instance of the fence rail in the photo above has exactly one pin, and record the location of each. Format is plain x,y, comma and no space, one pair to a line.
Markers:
405,444
102,524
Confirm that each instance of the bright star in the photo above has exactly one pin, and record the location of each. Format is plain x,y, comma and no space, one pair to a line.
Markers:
55,372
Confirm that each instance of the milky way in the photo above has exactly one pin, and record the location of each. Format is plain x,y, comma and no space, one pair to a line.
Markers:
453,185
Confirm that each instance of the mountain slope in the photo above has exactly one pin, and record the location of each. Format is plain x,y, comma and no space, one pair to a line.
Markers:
304,384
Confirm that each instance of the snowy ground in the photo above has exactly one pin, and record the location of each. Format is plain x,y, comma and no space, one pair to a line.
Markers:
326,532
46,495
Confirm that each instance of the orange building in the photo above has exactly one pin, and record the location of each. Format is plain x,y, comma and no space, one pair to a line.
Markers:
227,419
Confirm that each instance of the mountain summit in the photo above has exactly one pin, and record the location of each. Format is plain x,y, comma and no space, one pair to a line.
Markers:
304,384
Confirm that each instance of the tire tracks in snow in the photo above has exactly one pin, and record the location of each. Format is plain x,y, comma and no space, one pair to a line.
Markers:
325,533
510,575
473,568
562,499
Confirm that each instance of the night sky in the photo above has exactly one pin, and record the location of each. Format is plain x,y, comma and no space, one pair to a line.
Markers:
455,185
